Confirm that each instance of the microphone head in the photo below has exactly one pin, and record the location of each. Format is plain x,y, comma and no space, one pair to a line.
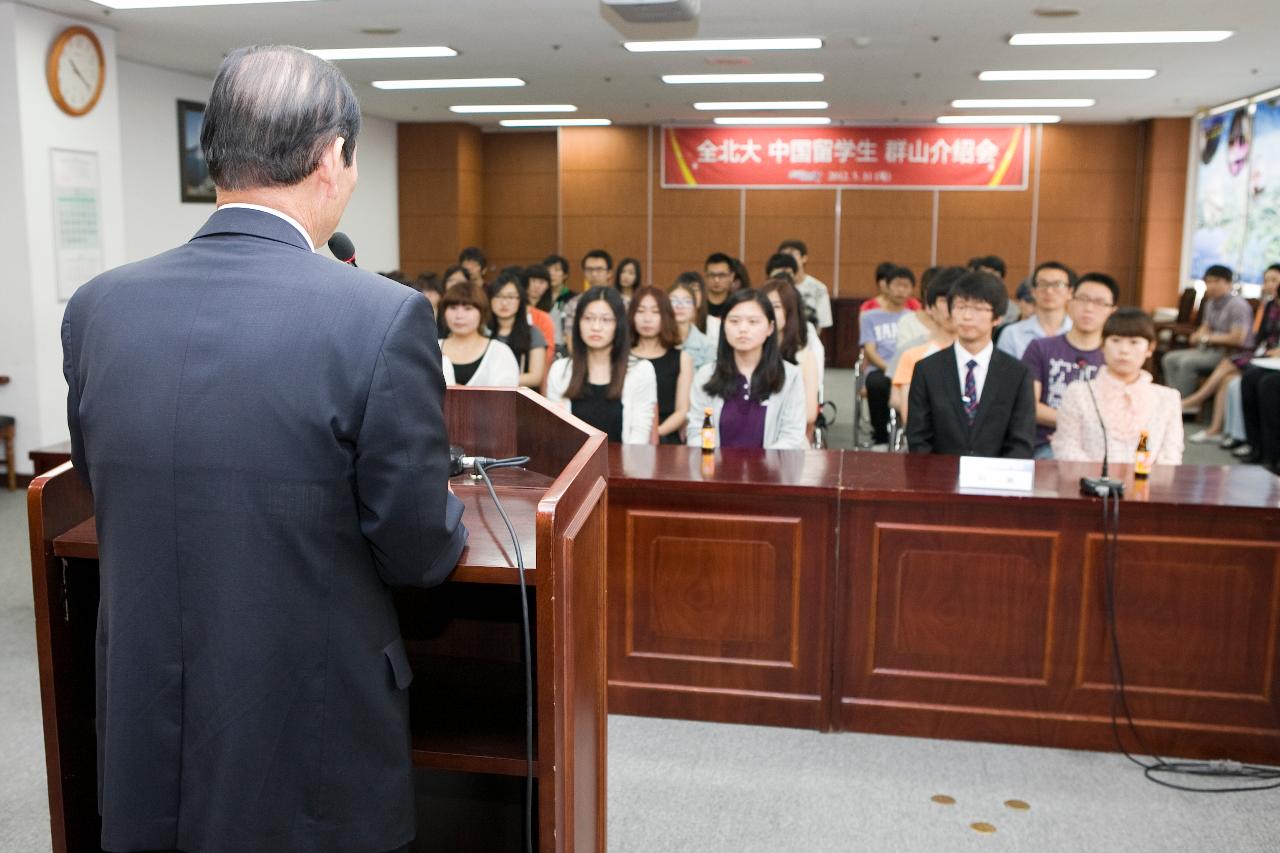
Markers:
342,247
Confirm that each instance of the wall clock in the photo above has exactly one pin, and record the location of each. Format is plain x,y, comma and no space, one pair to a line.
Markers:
76,71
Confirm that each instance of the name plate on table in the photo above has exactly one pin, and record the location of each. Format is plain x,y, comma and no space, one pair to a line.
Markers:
986,474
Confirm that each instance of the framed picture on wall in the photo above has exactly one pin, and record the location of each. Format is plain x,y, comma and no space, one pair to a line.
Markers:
193,172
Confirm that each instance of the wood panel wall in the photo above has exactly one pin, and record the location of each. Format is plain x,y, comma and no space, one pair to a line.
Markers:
1106,197
603,203
519,197
1164,193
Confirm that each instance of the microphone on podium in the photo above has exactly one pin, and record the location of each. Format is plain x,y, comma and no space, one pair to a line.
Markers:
342,247
1104,485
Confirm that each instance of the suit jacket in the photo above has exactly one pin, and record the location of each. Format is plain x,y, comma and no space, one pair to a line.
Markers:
1005,423
262,431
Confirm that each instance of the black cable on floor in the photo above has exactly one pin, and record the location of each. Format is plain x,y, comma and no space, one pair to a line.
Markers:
1217,769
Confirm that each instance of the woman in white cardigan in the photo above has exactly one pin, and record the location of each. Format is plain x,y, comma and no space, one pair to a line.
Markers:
756,398
470,357
601,382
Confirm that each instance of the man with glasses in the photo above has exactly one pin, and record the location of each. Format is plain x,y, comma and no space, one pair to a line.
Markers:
721,281
1051,285
597,270
1058,361
971,399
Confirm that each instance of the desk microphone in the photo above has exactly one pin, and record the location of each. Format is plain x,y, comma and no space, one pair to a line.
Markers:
1104,485
342,247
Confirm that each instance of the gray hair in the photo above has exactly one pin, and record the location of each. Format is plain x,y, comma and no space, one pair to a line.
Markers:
272,113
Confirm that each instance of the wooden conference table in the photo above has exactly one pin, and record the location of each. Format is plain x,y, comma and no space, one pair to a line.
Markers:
855,591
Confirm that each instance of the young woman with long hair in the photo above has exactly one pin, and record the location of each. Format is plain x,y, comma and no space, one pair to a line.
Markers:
509,323
793,342
654,337
601,382
756,397
627,278
684,296
470,357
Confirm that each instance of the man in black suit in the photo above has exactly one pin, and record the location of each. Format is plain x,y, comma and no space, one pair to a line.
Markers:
262,431
971,399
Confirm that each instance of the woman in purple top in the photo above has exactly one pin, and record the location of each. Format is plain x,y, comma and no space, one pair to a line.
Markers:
756,398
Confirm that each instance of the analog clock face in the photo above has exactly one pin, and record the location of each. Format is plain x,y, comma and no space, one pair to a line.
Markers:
79,70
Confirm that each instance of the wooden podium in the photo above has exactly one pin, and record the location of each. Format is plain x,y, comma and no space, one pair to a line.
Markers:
464,640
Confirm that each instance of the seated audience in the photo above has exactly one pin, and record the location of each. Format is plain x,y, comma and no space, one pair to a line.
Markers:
601,382
971,399
1260,402
509,324
627,278
597,271
882,281
1051,285
472,260
1265,338
915,327
756,398
691,317
1225,322
879,344
1058,361
476,360
817,299
453,275
993,264
429,285
721,280
794,334
537,290
1128,402
943,336
654,337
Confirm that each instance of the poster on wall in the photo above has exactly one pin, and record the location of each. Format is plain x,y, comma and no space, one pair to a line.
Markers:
193,172
1262,241
77,224
1222,190
888,157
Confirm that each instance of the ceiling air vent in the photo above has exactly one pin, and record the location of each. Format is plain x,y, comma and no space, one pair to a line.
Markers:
654,11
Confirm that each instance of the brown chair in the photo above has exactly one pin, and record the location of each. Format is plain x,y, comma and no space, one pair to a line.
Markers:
7,427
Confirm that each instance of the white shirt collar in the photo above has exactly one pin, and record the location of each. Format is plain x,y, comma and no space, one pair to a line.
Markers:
286,217
983,356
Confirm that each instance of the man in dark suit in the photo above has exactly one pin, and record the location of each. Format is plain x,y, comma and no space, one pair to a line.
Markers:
971,399
262,431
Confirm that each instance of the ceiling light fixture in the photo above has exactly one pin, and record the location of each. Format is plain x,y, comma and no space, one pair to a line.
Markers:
555,122
722,45
770,121
1152,37
720,106
682,79
1020,103
457,83
514,108
1071,74
174,4
1009,119
335,54
1226,108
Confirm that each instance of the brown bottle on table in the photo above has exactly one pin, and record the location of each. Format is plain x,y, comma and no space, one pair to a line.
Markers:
708,432
1142,459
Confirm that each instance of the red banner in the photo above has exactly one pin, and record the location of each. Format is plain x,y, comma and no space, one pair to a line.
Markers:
891,157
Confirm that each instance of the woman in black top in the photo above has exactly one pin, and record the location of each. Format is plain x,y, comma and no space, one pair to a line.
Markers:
654,336
509,323
627,278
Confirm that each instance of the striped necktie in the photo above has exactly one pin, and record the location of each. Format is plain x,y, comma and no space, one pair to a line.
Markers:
970,391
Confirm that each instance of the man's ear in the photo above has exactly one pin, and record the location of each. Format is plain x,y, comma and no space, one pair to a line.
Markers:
331,164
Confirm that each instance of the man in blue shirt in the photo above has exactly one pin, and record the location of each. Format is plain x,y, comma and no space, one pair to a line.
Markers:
880,342
1051,285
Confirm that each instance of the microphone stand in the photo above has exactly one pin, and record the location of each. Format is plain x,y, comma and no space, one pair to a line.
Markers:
1104,485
